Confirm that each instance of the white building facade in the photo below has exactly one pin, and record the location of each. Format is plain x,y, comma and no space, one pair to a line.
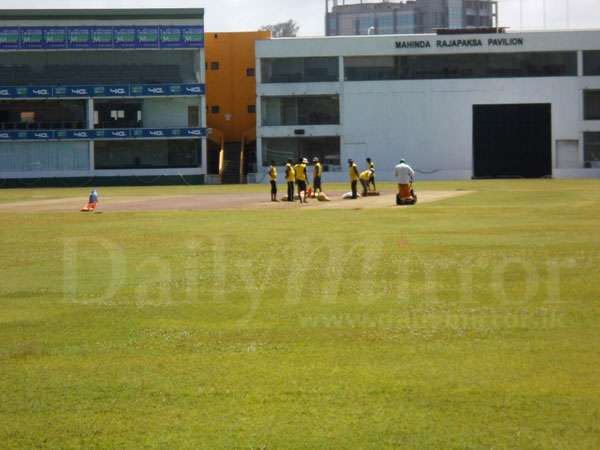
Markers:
98,97
454,106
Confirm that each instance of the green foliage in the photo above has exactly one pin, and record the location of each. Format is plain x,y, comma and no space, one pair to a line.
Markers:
466,323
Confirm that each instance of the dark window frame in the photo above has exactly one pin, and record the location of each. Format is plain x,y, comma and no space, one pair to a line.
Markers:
302,111
591,63
462,66
307,70
591,149
591,104
176,152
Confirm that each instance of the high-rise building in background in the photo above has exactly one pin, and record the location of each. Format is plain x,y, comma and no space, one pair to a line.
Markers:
356,17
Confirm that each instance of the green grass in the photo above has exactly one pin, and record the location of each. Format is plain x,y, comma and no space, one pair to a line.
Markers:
467,323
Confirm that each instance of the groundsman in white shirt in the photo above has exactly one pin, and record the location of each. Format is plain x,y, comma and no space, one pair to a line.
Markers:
405,176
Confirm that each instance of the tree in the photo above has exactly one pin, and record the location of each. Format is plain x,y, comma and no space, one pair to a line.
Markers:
282,29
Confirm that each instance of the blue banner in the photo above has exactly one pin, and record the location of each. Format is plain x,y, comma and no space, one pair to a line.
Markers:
8,92
194,132
73,91
10,38
111,91
32,38
124,37
98,37
55,37
146,37
38,91
75,134
193,36
104,134
80,37
193,89
102,37
85,91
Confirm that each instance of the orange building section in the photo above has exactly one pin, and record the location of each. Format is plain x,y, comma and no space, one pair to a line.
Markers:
231,102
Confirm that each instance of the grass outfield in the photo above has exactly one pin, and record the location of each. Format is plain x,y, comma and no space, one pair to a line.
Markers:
472,322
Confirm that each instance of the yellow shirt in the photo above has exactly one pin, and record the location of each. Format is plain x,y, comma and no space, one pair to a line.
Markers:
353,172
273,173
291,173
300,172
365,175
318,169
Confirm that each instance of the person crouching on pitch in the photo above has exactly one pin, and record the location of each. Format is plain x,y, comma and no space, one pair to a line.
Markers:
318,171
371,166
273,179
365,180
290,177
301,178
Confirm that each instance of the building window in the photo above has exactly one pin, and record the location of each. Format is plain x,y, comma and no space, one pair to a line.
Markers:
432,67
42,115
591,105
298,70
385,23
118,113
193,116
158,154
591,62
301,110
100,67
406,22
591,149
364,22
251,109
327,149
214,65
47,156
250,72
215,109
331,25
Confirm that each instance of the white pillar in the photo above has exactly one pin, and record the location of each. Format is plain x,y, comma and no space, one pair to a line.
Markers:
90,126
90,113
202,113
91,153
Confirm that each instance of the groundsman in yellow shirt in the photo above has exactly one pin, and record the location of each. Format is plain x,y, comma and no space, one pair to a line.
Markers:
273,181
354,177
290,177
301,178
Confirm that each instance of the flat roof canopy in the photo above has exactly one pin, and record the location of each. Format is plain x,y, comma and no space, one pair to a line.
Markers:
102,14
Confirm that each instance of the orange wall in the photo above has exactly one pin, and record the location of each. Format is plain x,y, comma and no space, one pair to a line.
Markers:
229,87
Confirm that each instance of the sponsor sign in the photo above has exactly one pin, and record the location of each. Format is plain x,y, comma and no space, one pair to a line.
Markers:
98,37
32,37
103,134
124,37
38,91
10,38
55,37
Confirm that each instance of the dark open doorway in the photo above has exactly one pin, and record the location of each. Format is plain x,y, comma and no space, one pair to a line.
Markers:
512,141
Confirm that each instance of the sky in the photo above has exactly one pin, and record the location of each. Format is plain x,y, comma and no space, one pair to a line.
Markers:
245,15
